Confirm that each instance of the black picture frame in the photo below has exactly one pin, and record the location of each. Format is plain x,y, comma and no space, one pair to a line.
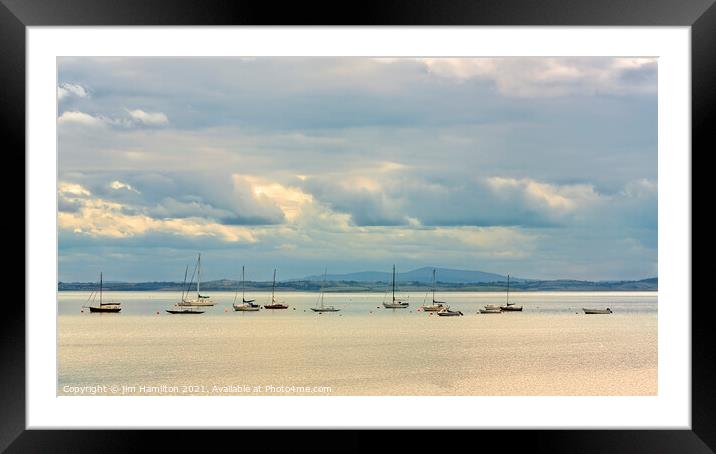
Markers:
700,15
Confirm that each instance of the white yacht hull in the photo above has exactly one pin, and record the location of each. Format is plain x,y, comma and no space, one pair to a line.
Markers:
490,311
450,313
395,305
196,303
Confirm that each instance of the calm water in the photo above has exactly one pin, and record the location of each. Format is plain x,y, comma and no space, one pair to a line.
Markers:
550,348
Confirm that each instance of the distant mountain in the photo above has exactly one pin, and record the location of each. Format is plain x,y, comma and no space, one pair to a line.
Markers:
423,275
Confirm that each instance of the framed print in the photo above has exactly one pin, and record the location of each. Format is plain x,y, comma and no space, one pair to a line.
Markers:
482,222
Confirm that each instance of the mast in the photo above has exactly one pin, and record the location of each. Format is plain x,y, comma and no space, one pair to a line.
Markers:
243,285
508,289
323,285
393,283
183,289
433,285
198,279
273,288
100,288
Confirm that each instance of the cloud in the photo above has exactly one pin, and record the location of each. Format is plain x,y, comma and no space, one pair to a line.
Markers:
498,164
117,185
550,77
99,218
136,118
642,188
290,200
558,199
222,198
365,198
73,189
396,194
66,90
80,118
148,118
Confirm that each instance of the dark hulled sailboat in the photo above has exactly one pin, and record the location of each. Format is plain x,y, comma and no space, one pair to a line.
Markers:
510,307
103,307
275,304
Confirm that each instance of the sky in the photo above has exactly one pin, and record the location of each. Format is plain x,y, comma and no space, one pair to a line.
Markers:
542,168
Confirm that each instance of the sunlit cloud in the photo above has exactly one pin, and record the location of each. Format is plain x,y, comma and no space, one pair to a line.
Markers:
80,118
148,118
72,189
100,218
67,90
558,198
118,185
291,200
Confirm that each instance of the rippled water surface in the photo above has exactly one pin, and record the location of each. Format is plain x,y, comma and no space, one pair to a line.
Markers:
551,348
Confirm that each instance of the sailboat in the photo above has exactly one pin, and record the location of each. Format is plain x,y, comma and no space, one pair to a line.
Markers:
446,312
246,305
179,308
106,307
275,304
510,307
320,307
491,309
395,303
201,300
436,305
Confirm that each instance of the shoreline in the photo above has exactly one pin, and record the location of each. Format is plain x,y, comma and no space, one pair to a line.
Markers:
375,290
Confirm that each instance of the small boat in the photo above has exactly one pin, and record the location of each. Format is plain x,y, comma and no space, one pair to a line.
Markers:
176,309
246,305
201,300
510,307
446,312
436,305
491,309
396,303
275,304
597,311
320,307
109,307
180,308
